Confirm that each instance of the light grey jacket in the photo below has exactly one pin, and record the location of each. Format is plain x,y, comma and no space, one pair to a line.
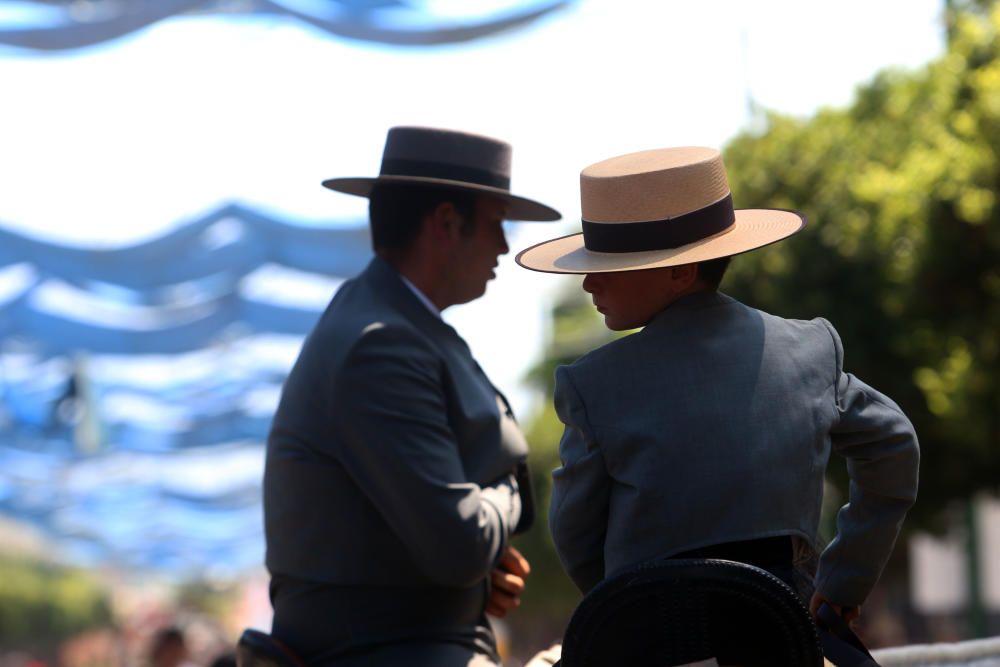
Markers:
714,424
389,485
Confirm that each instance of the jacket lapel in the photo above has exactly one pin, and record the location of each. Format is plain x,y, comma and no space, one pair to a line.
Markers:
386,281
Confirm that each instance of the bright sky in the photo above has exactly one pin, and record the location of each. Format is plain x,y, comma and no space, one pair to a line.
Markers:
110,145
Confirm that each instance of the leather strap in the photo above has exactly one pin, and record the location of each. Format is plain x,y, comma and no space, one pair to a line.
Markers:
840,645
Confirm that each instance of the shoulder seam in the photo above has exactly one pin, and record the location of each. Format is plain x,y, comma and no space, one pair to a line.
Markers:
579,398
838,356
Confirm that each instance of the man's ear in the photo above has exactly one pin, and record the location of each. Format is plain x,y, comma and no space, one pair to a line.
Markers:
684,275
443,222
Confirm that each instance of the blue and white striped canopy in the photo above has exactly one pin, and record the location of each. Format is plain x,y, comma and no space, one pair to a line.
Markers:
51,25
137,383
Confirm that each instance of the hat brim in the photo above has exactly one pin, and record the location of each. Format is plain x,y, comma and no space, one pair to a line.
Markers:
520,208
753,228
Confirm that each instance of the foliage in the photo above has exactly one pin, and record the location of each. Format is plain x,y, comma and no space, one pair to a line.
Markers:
207,598
903,249
41,604
550,596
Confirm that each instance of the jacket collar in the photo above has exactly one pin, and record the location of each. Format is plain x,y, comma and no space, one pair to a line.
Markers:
388,283
687,305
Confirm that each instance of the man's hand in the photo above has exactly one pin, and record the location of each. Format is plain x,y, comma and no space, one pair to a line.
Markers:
507,583
847,613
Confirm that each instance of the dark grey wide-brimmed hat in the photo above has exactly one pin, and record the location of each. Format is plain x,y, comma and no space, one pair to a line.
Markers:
451,159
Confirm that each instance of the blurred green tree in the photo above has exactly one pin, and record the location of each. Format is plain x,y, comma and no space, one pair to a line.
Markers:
550,596
43,604
902,252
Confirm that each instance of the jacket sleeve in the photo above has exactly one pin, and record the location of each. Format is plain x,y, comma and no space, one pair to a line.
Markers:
391,413
578,512
883,458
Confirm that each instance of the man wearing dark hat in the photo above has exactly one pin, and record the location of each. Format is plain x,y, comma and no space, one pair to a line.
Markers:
395,471
707,433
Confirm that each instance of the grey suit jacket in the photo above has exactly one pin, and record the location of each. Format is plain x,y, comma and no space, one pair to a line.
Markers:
389,485
714,424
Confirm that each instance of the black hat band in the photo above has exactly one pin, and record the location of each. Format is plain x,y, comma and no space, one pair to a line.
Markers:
451,172
660,234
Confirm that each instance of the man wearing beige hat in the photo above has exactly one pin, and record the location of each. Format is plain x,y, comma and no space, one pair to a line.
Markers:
707,433
395,472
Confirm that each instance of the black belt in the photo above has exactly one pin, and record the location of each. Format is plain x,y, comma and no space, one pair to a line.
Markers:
765,552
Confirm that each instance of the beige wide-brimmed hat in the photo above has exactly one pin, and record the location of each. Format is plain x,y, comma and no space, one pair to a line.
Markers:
658,208
447,159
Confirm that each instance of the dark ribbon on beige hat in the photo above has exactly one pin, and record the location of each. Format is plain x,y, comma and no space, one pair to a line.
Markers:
443,170
660,234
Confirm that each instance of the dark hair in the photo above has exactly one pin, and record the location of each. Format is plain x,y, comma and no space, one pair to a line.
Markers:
397,210
711,271
165,637
226,659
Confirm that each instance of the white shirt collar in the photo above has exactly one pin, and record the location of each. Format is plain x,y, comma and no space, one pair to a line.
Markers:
421,296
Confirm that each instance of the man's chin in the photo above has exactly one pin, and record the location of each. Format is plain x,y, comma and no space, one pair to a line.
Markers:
471,296
616,325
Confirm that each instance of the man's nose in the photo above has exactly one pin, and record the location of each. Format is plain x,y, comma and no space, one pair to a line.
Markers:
590,283
504,248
